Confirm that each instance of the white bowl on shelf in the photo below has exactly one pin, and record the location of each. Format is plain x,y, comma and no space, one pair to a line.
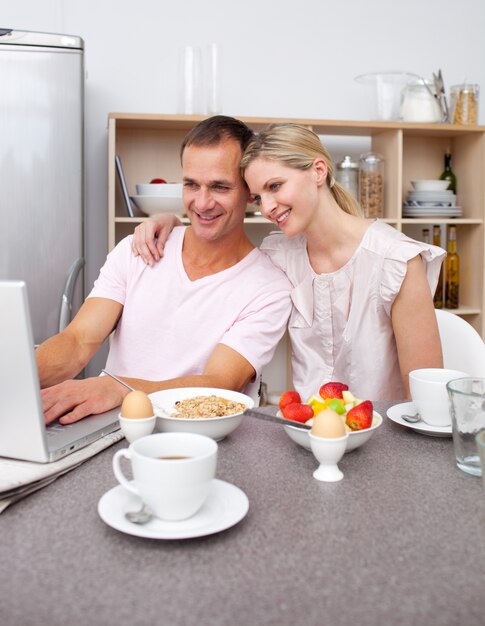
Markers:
430,185
150,205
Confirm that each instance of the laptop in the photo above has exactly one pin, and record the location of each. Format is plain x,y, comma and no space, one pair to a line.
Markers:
23,433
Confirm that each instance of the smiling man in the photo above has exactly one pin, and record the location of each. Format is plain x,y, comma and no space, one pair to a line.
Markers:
210,315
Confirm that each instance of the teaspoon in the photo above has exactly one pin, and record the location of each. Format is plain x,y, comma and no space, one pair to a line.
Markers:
122,382
139,517
412,419
158,409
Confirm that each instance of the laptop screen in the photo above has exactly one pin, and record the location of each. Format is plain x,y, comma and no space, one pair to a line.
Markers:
23,433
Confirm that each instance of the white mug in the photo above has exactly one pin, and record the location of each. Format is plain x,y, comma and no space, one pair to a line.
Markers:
172,472
429,394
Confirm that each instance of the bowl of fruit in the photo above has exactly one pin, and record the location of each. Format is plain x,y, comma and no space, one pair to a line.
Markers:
359,417
158,196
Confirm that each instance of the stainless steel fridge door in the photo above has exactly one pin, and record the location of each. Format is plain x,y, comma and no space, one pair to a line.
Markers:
41,177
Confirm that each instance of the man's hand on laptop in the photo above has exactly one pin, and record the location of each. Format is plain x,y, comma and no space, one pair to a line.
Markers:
72,400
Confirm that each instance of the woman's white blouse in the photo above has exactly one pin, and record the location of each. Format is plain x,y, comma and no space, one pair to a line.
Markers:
340,326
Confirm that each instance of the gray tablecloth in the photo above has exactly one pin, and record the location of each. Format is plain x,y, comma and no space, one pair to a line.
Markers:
401,540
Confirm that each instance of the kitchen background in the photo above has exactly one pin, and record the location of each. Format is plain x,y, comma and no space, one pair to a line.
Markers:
279,59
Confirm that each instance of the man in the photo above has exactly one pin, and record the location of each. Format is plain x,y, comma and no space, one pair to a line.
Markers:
210,315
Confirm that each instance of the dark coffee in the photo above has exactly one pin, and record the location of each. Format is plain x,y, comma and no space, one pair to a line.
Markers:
174,458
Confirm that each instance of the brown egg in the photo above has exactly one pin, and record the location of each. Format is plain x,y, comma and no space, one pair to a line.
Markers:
328,424
136,405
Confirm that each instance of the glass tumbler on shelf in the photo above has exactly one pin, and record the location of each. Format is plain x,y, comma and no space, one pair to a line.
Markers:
371,184
190,95
213,79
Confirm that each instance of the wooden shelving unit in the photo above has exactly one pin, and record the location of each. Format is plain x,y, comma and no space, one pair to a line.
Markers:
149,146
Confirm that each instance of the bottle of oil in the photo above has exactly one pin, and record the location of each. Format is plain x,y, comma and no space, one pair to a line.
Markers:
448,173
452,272
438,295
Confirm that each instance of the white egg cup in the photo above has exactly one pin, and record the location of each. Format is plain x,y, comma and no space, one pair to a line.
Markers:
133,428
328,452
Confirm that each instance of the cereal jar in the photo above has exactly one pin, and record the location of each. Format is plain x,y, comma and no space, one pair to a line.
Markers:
371,184
464,104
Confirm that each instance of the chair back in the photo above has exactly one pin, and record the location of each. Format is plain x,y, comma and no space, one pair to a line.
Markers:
463,348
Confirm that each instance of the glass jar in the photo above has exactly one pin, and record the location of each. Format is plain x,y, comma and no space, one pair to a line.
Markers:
347,175
419,103
371,184
464,103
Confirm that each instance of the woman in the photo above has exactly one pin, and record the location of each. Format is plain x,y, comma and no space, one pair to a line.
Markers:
362,291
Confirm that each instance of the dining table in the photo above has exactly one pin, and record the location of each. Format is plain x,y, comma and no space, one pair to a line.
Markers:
400,540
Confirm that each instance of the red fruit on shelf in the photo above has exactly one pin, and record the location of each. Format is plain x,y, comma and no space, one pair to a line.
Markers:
158,181
298,412
360,416
332,390
288,397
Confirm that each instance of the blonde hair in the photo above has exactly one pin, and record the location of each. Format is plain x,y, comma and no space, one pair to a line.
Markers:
298,147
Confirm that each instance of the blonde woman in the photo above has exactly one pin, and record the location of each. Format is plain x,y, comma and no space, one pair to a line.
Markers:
362,291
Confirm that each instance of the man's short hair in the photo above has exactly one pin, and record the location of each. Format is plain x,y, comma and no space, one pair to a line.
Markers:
213,130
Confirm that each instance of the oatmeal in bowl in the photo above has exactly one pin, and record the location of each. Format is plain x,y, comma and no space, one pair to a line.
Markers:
202,407
203,410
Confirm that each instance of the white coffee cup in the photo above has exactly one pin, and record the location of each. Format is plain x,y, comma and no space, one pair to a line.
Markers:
429,394
172,472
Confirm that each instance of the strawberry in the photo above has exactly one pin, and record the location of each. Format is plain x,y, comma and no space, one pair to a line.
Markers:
332,390
289,397
298,412
360,416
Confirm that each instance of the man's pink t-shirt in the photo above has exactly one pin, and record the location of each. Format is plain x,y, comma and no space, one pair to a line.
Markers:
170,324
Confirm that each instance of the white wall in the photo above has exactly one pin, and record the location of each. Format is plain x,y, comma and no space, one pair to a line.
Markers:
282,58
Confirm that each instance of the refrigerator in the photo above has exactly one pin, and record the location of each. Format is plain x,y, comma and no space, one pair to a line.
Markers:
42,172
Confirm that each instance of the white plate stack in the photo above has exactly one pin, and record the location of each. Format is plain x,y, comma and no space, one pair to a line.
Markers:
429,200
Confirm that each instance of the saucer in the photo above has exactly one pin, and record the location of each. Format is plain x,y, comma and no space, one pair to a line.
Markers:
395,412
225,506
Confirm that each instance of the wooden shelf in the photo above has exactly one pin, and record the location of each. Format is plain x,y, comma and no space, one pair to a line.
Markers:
149,146
153,121
252,219
463,311
441,220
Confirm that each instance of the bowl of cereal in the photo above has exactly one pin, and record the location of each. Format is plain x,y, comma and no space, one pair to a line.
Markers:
203,410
